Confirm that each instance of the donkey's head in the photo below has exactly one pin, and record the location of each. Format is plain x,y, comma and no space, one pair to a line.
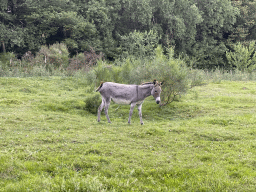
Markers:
156,91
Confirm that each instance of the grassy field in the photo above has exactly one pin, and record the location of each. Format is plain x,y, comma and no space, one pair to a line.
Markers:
206,141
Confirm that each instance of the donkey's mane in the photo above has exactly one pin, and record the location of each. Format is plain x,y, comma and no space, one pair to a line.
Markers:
146,83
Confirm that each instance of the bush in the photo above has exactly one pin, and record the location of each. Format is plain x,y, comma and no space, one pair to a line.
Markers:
174,74
84,61
243,58
6,60
135,71
197,77
92,103
103,72
126,71
171,71
53,57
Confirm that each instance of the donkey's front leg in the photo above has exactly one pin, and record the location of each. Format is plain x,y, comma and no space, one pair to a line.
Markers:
131,110
140,113
106,110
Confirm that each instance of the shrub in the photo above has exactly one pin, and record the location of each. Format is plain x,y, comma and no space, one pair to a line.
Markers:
84,61
163,68
55,56
59,55
243,58
197,77
106,72
92,103
103,72
173,72
6,60
126,71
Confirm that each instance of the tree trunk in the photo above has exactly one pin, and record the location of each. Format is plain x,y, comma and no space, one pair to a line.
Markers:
3,46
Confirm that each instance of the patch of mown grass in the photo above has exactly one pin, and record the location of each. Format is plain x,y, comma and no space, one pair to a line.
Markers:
49,142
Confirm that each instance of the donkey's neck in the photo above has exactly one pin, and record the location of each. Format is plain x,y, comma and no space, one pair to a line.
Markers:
144,91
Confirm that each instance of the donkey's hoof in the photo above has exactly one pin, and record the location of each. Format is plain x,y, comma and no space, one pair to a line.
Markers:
142,123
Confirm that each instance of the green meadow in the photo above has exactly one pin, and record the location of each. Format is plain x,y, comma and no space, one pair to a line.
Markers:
204,141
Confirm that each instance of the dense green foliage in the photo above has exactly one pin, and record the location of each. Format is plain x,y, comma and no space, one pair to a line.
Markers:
202,30
243,58
204,142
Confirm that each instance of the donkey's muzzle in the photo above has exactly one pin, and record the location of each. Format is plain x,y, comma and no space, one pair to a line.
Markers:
158,100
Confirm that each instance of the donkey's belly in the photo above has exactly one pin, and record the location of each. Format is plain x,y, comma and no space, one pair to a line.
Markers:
121,101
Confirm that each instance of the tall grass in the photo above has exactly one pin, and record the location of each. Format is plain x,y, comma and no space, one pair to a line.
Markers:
200,77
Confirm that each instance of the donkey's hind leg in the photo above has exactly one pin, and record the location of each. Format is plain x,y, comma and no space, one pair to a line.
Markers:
140,113
100,108
131,111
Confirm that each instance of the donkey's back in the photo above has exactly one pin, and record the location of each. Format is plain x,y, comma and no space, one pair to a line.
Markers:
119,93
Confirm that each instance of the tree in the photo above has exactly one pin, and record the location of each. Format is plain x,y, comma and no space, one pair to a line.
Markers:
139,44
133,15
102,16
219,17
11,25
245,24
176,22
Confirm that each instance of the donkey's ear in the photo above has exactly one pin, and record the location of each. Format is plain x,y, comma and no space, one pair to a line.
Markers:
154,82
161,83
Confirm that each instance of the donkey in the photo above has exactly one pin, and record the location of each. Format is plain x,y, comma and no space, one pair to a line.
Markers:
128,95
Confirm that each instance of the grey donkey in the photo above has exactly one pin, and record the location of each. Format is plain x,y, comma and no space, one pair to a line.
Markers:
128,95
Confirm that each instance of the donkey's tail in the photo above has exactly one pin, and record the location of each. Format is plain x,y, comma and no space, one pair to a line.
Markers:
101,83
